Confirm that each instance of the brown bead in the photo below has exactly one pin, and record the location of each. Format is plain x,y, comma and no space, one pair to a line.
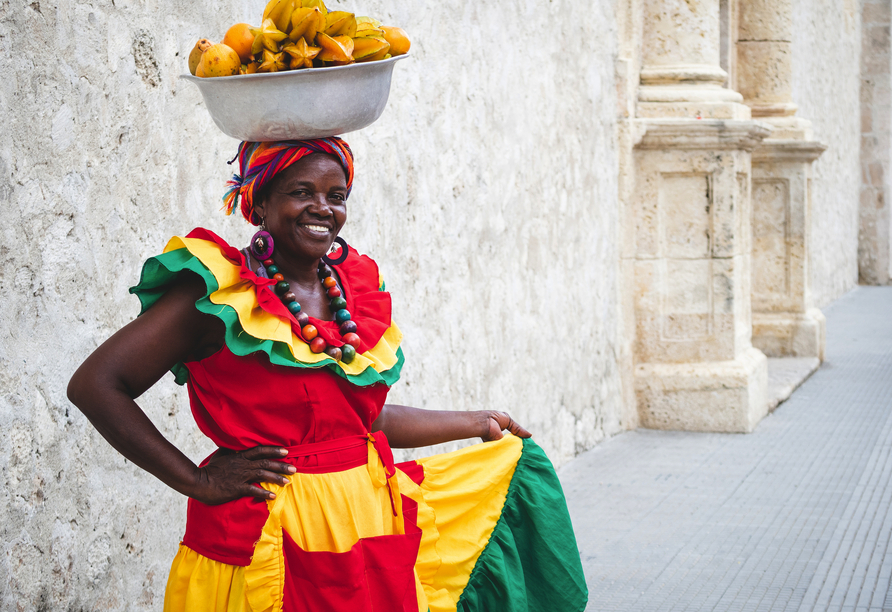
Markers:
333,352
289,297
348,327
303,319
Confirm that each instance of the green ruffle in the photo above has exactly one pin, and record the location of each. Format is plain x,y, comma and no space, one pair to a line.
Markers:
531,562
161,271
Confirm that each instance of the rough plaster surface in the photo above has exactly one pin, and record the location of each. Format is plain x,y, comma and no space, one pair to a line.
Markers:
486,193
825,86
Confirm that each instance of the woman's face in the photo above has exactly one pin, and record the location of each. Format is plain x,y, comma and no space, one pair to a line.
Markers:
306,206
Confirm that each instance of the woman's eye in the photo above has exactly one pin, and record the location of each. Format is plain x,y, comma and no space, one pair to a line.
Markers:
338,197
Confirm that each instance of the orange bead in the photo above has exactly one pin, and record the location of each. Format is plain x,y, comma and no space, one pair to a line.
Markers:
318,344
334,292
329,282
278,277
351,339
309,332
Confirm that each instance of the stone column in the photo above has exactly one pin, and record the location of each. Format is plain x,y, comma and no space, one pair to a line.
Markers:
687,243
784,321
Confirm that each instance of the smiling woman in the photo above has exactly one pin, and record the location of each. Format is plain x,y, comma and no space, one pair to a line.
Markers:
288,357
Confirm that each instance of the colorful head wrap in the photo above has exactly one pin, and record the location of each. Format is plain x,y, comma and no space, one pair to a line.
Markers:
259,162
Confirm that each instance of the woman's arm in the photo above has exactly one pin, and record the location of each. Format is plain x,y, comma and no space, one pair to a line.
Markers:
407,427
136,357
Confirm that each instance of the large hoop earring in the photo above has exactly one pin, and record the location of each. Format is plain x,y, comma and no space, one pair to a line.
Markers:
342,257
262,245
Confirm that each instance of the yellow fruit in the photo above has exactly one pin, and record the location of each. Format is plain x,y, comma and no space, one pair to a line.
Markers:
315,4
252,68
195,55
340,23
335,50
273,62
302,55
368,49
305,22
280,12
219,60
241,40
267,36
399,41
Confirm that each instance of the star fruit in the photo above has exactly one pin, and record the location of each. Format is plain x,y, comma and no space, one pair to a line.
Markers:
301,53
267,36
305,22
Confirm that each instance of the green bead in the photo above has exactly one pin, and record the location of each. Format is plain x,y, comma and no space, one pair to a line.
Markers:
282,287
294,307
338,303
273,270
348,353
342,315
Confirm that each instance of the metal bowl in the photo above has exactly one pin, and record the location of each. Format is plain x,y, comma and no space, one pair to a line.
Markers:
298,104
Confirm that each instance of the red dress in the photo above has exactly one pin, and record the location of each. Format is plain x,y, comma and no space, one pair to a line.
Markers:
469,530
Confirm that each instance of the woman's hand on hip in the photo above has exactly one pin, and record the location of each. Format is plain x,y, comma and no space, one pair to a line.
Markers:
494,423
231,475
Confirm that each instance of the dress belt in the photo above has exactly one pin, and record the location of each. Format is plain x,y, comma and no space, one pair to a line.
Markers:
347,453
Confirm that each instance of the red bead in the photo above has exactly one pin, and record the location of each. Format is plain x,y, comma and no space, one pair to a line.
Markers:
309,332
303,319
328,282
352,339
289,297
268,262
333,352
318,344
278,278
348,327
334,292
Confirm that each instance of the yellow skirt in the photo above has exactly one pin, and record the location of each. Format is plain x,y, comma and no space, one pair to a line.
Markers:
357,540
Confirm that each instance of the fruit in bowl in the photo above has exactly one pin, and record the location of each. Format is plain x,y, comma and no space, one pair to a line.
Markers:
295,35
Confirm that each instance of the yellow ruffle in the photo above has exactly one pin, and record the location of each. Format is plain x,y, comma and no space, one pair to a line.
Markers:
240,295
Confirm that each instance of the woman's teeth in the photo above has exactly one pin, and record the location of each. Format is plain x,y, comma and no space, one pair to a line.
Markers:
317,228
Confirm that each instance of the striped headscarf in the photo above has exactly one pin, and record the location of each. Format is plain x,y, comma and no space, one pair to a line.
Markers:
259,162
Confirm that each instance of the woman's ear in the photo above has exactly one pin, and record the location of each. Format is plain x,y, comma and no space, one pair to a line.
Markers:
260,208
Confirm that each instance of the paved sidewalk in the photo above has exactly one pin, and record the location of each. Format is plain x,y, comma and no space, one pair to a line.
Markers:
796,516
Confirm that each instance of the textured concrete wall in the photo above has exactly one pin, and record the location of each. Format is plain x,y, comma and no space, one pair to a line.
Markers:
487,193
825,86
875,238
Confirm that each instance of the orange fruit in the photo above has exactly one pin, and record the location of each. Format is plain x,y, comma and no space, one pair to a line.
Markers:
219,60
399,41
240,39
195,55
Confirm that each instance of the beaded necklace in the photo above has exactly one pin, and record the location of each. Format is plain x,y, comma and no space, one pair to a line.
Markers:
262,246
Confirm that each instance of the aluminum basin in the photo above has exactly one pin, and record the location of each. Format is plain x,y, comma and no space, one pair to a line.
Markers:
298,104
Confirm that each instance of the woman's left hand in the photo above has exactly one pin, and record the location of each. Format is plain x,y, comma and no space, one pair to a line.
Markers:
496,422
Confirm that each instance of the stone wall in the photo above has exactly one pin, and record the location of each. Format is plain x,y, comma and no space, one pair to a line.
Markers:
875,238
487,193
826,59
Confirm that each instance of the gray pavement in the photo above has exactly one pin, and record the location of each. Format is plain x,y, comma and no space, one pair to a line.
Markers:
795,516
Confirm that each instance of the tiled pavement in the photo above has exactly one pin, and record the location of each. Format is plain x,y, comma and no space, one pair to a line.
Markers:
796,516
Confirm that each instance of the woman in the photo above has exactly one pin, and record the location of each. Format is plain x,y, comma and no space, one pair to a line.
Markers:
288,362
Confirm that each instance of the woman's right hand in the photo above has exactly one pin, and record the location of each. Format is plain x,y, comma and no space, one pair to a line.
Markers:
231,475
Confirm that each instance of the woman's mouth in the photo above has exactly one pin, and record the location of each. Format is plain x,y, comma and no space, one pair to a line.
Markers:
316,229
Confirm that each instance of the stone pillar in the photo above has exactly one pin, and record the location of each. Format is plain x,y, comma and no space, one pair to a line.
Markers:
875,232
785,323
687,244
